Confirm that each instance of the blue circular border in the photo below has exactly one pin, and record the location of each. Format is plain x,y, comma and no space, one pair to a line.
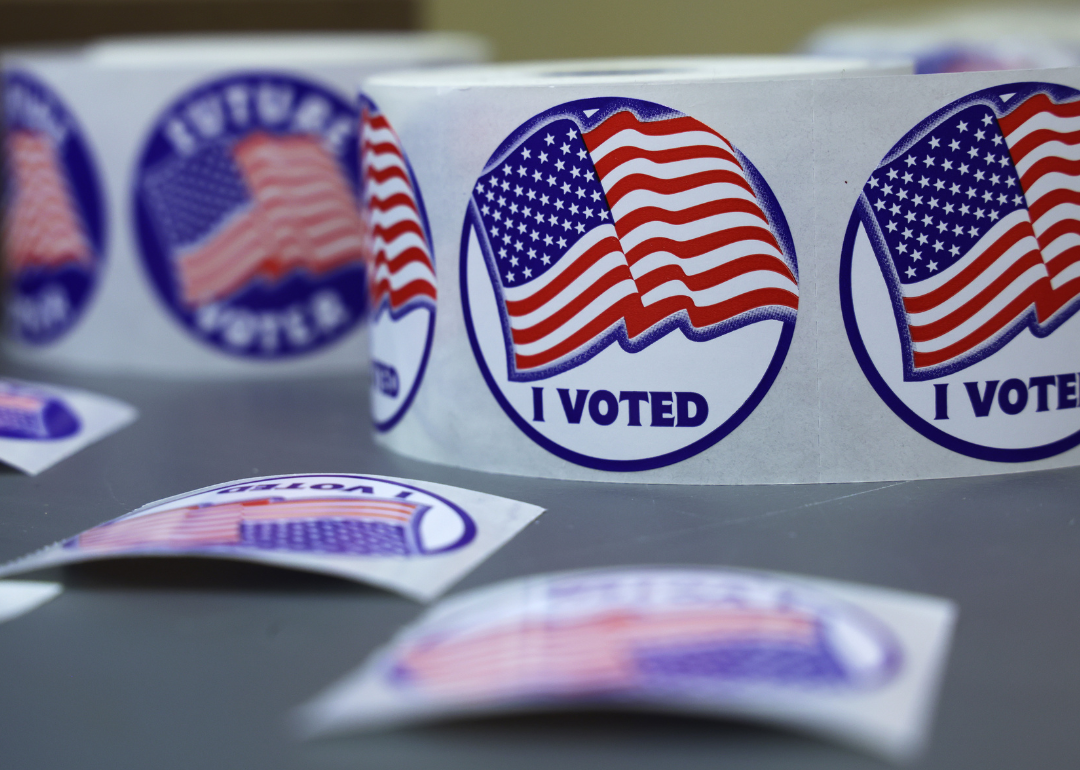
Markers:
152,255
388,425
775,213
82,174
847,307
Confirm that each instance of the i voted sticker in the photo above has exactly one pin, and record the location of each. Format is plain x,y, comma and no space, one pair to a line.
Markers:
960,274
629,283
247,219
402,269
54,213
331,515
33,414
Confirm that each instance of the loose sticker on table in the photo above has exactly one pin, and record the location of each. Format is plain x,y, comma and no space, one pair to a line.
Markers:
247,218
708,641
402,269
42,424
54,213
960,274
629,283
413,537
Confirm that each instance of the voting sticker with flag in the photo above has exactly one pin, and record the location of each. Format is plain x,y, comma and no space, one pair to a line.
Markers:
974,221
53,234
619,234
401,268
248,215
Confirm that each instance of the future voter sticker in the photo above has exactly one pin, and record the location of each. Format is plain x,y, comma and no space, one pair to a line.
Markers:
329,514
645,634
34,414
960,274
629,283
54,213
247,215
401,269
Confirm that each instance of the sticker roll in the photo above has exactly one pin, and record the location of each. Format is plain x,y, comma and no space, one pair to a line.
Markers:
724,271
188,206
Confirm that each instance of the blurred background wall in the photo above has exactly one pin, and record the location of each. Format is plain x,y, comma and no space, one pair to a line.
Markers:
520,29
578,28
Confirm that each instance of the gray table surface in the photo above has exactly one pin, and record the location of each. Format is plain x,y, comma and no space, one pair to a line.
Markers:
194,664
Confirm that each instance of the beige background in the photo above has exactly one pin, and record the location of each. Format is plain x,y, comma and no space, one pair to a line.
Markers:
580,28
520,29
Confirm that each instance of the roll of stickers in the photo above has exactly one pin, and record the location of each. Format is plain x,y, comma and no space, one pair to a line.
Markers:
717,271
962,40
188,206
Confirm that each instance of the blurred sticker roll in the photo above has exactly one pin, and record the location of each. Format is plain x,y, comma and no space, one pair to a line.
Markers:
189,206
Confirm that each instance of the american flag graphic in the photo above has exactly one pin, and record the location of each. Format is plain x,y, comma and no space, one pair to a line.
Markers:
399,256
262,207
342,526
620,649
42,226
634,227
979,222
22,413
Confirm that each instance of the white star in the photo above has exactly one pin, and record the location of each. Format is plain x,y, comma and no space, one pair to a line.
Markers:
558,204
958,230
997,139
537,176
954,189
934,142
873,182
895,209
938,246
907,232
932,203
887,189
603,213
947,165
948,208
961,126
964,209
565,148
1002,198
911,272
973,152
579,227
954,144
963,168
892,174
580,192
571,134
565,187
988,196
559,165
901,247
922,240
970,192
990,158
595,195
543,157
522,171
581,154
502,253
910,160
929,160
979,214
544,200
891,227
513,261
573,208
562,243
509,277
901,194
547,240
528,272
513,208
954,250
549,139
531,194
910,216
575,172
993,215
588,213
932,265
927,220
526,153
916,254
942,226
1018,200
979,176
879,205
986,120
923,182
939,184
546,259
551,179
980,134
973,231
907,176
916,200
